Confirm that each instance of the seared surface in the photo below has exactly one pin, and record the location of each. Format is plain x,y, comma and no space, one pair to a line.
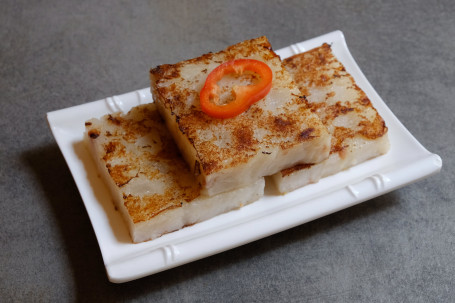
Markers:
276,132
331,92
358,131
150,182
142,161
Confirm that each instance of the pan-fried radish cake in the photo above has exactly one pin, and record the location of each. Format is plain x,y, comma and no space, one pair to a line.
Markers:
229,151
150,183
358,131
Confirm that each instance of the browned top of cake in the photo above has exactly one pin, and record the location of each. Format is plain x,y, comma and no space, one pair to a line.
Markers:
331,92
143,161
279,121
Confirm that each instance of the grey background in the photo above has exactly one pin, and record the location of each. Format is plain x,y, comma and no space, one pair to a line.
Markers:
399,247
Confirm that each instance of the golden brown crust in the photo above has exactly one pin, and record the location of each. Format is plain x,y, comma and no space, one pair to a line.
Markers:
237,140
288,171
138,146
317,69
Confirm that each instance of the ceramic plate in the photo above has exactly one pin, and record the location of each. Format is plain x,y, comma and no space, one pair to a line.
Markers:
406,162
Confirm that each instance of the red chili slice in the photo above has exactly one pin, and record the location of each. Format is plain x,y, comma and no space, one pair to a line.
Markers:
244,96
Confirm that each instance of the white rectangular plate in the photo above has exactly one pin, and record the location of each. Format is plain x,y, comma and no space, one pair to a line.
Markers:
406,162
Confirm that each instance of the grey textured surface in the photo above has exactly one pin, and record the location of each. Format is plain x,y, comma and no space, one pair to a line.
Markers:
399,247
